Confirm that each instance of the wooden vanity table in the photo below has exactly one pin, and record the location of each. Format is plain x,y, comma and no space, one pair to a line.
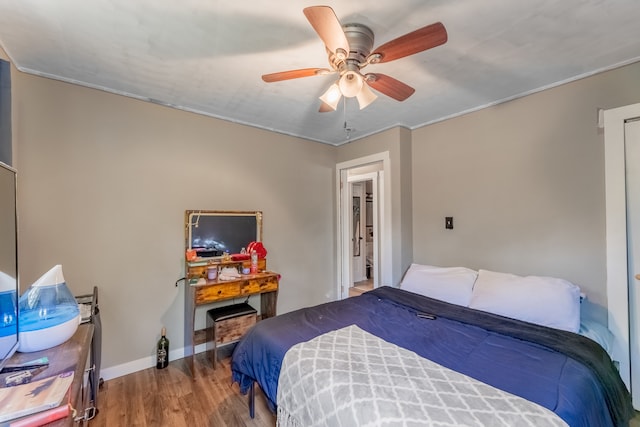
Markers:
201,291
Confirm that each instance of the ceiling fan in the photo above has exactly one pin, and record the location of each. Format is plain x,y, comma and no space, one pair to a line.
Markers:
349,48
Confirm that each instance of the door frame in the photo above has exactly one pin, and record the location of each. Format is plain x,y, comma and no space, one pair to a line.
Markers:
616,236
382,235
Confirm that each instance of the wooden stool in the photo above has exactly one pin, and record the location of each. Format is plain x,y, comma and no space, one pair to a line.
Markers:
226,325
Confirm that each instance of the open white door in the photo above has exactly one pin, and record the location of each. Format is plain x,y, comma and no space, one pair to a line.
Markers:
632,156
622,187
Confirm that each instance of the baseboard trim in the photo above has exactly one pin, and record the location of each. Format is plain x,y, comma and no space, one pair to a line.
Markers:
144,363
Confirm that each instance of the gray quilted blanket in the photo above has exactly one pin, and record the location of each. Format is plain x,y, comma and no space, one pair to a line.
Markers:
350,377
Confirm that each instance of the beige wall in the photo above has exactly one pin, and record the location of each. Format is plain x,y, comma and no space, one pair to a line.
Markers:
524,182
104,181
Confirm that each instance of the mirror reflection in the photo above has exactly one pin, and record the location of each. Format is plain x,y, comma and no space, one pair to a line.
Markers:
212,233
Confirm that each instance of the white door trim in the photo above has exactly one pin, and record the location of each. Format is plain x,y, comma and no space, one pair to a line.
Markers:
616,235
383,239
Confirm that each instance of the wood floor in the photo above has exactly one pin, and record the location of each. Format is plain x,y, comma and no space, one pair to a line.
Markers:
169,397
360,287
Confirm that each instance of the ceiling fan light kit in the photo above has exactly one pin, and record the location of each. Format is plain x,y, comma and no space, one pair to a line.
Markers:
349,50
365,96
350,84
332,96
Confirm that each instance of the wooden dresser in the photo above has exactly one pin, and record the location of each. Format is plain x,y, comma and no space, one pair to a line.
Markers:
81,354
73,354
201,291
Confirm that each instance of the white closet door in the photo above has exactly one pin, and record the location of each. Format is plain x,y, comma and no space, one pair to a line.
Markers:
632,167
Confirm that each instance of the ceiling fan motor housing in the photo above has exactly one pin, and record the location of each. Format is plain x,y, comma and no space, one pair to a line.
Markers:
360,38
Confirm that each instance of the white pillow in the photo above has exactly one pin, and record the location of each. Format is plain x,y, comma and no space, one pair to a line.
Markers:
449,284
545,301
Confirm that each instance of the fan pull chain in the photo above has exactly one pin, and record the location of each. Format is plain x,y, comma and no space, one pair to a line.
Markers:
348,130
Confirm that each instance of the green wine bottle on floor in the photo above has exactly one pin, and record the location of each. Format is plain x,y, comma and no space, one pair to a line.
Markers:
162,354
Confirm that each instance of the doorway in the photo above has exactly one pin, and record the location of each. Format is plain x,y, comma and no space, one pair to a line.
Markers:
363,232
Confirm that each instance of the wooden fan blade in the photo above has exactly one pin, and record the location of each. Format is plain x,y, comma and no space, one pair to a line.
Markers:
294,74
389,86
324,20
416,41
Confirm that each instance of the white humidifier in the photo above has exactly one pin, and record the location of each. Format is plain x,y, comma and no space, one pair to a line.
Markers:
48,313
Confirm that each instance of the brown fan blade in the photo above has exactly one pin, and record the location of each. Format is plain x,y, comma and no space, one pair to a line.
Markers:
416,41
324,20
389,86
294,74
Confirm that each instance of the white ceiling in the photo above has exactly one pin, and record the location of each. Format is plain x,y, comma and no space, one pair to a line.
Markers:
207,56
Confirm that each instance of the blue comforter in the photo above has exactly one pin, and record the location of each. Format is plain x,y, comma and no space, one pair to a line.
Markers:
564,372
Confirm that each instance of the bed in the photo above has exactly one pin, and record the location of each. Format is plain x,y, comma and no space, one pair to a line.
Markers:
563,377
